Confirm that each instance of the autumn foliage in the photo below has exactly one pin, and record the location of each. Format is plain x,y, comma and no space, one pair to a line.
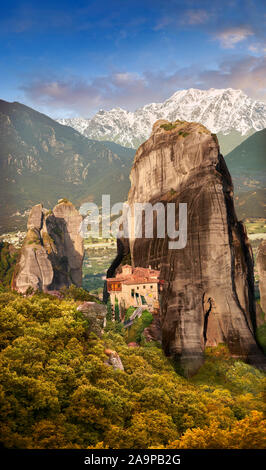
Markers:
56,390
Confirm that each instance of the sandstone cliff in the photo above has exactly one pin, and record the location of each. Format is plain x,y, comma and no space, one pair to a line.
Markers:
208,294
52,253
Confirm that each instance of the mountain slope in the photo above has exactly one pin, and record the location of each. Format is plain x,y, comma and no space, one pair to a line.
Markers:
250,155
230,141
220,110
247,165
42,160
250,204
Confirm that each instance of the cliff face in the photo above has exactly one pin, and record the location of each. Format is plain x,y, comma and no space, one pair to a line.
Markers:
52,253
208,295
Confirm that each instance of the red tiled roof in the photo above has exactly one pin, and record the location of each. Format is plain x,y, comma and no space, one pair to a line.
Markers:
141,280
138,276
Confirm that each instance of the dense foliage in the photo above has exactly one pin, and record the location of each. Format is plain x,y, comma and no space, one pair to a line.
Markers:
261,336
135,332
93,282
77,293
56,390
8,258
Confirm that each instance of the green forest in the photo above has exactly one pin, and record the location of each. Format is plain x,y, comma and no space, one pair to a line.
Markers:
57,391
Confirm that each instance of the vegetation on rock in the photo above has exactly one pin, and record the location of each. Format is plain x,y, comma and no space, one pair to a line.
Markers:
8,259
135,331
169,126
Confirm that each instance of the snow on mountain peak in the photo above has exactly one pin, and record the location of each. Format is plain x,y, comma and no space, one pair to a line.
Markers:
220,110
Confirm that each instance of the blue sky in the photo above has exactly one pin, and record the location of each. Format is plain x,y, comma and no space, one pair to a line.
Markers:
69,58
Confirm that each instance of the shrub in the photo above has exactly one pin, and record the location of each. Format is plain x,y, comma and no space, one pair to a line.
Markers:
8,259
77,293
261,336
135,331
169,126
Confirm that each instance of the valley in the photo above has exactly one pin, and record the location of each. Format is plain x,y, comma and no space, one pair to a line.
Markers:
99,254
41,159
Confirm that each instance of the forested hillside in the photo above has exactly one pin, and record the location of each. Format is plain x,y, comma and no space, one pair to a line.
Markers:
43,160
58,392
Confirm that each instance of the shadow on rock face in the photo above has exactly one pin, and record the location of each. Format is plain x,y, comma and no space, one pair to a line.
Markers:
208,290
52,253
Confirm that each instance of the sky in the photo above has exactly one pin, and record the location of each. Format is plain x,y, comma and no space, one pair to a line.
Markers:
72,58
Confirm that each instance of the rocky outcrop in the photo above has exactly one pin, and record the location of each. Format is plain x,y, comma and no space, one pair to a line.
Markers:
113,360
96,315
261,265
52,252
208,293
153,332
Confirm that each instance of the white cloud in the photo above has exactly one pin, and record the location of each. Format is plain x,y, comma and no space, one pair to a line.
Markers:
231,36
257,48
247,74
76,97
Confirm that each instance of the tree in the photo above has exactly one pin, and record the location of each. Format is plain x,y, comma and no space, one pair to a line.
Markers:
117,311
248,433
109,314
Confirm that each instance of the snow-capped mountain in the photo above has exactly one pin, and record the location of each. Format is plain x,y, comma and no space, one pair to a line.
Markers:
220,110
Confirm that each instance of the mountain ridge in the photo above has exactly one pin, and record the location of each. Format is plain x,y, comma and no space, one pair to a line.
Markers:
220,110
40,159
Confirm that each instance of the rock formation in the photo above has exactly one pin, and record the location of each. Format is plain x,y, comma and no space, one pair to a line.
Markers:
261,265
96,314
52,252
113,360
153,332
208,294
